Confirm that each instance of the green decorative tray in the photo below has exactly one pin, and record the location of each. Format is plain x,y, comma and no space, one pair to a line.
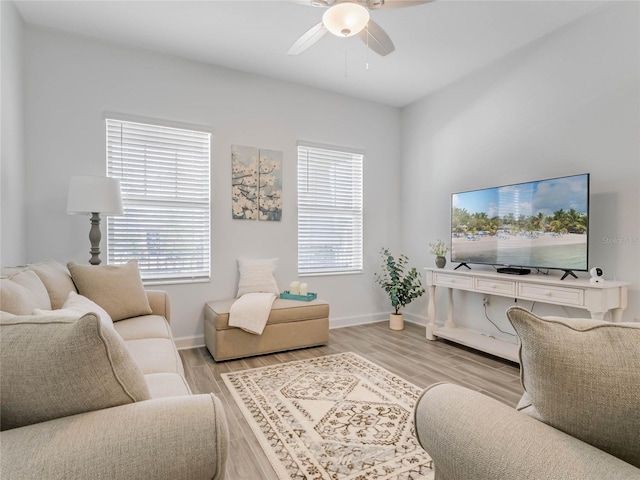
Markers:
305,298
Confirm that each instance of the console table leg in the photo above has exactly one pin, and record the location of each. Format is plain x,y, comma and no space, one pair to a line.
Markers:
431,314
616,314
449,323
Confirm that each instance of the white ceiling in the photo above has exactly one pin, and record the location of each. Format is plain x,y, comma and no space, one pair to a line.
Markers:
436,43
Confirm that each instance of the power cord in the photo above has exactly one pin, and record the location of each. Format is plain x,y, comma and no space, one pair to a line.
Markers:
493,323
533,304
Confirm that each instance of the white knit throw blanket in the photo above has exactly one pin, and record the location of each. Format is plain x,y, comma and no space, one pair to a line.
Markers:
251,311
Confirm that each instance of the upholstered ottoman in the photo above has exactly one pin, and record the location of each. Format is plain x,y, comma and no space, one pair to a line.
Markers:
292,324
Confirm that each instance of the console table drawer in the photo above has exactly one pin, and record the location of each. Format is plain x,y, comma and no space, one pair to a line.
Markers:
446,280
552,294
497,287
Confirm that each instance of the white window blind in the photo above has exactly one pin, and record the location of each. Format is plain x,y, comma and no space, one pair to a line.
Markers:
164,178
329,211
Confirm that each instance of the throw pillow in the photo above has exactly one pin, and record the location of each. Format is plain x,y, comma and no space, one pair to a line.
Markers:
21,292
582,376
52,367
257,276
77,305
116,288
56,280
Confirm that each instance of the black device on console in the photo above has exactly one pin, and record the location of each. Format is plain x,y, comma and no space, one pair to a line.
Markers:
514,271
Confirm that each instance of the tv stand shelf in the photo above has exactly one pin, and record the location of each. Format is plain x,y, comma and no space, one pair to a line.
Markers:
596,298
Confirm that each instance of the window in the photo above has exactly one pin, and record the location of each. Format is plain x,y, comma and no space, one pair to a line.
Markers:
329,211
164,178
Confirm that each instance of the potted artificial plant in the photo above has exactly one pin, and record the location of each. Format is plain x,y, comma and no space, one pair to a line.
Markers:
439,249
401,284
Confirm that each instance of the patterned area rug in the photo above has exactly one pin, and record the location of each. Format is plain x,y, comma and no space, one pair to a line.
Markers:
337,417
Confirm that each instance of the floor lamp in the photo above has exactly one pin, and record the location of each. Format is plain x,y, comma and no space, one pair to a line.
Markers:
94,196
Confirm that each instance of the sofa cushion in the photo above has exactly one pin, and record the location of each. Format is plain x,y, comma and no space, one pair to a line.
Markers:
52,367
167,385
116,288
76,306
22,291
582,377
146,326
257,276
56,280
83,305
156,355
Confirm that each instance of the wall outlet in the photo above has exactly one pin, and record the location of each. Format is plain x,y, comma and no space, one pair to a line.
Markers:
485,301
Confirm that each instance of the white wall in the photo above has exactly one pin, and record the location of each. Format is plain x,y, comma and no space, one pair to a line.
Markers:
72,81
12,164
567,104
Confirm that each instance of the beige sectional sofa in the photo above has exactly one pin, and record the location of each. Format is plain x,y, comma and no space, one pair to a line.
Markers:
98,395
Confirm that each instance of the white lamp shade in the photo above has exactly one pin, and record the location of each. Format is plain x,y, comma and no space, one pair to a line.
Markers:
346,19
94,195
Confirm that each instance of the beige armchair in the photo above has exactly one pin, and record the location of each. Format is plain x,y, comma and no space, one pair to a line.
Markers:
177,437
579,418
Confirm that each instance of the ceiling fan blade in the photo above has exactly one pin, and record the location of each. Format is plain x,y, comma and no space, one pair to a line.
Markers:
307,39
377,39
376,4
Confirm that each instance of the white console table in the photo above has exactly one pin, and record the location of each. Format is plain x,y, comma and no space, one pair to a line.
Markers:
597,298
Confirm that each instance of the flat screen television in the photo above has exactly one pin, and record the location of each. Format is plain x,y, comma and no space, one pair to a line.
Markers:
543,224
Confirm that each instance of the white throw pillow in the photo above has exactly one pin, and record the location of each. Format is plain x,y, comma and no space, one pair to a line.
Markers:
257,276
84,305
76,305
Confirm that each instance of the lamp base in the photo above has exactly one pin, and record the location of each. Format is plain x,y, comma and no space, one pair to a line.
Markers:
94,237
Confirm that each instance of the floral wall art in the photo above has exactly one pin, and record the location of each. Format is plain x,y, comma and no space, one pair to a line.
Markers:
270,185
256,176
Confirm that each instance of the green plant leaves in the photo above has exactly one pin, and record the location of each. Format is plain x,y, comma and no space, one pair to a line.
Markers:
402,284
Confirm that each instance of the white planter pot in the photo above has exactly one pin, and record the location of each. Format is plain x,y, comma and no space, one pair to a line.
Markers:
396,322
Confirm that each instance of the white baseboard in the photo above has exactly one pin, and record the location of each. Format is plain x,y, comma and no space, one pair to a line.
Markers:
184,343
196,341
417,319
372,318
356,320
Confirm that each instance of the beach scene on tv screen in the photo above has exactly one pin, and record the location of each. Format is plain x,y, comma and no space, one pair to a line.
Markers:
538,224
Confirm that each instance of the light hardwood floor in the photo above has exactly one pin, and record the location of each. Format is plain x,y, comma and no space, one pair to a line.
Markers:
406,353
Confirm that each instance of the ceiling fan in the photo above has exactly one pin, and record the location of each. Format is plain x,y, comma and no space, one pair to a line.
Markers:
345,18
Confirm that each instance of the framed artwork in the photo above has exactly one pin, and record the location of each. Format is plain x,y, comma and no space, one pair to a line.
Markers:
270,185
256,179
244,182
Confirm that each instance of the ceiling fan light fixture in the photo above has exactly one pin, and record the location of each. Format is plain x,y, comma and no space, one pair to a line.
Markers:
345,19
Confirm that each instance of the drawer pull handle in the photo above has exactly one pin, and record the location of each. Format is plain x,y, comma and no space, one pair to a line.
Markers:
547,293
493,285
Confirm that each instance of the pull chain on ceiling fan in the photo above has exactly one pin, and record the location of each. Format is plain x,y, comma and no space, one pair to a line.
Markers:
345,18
